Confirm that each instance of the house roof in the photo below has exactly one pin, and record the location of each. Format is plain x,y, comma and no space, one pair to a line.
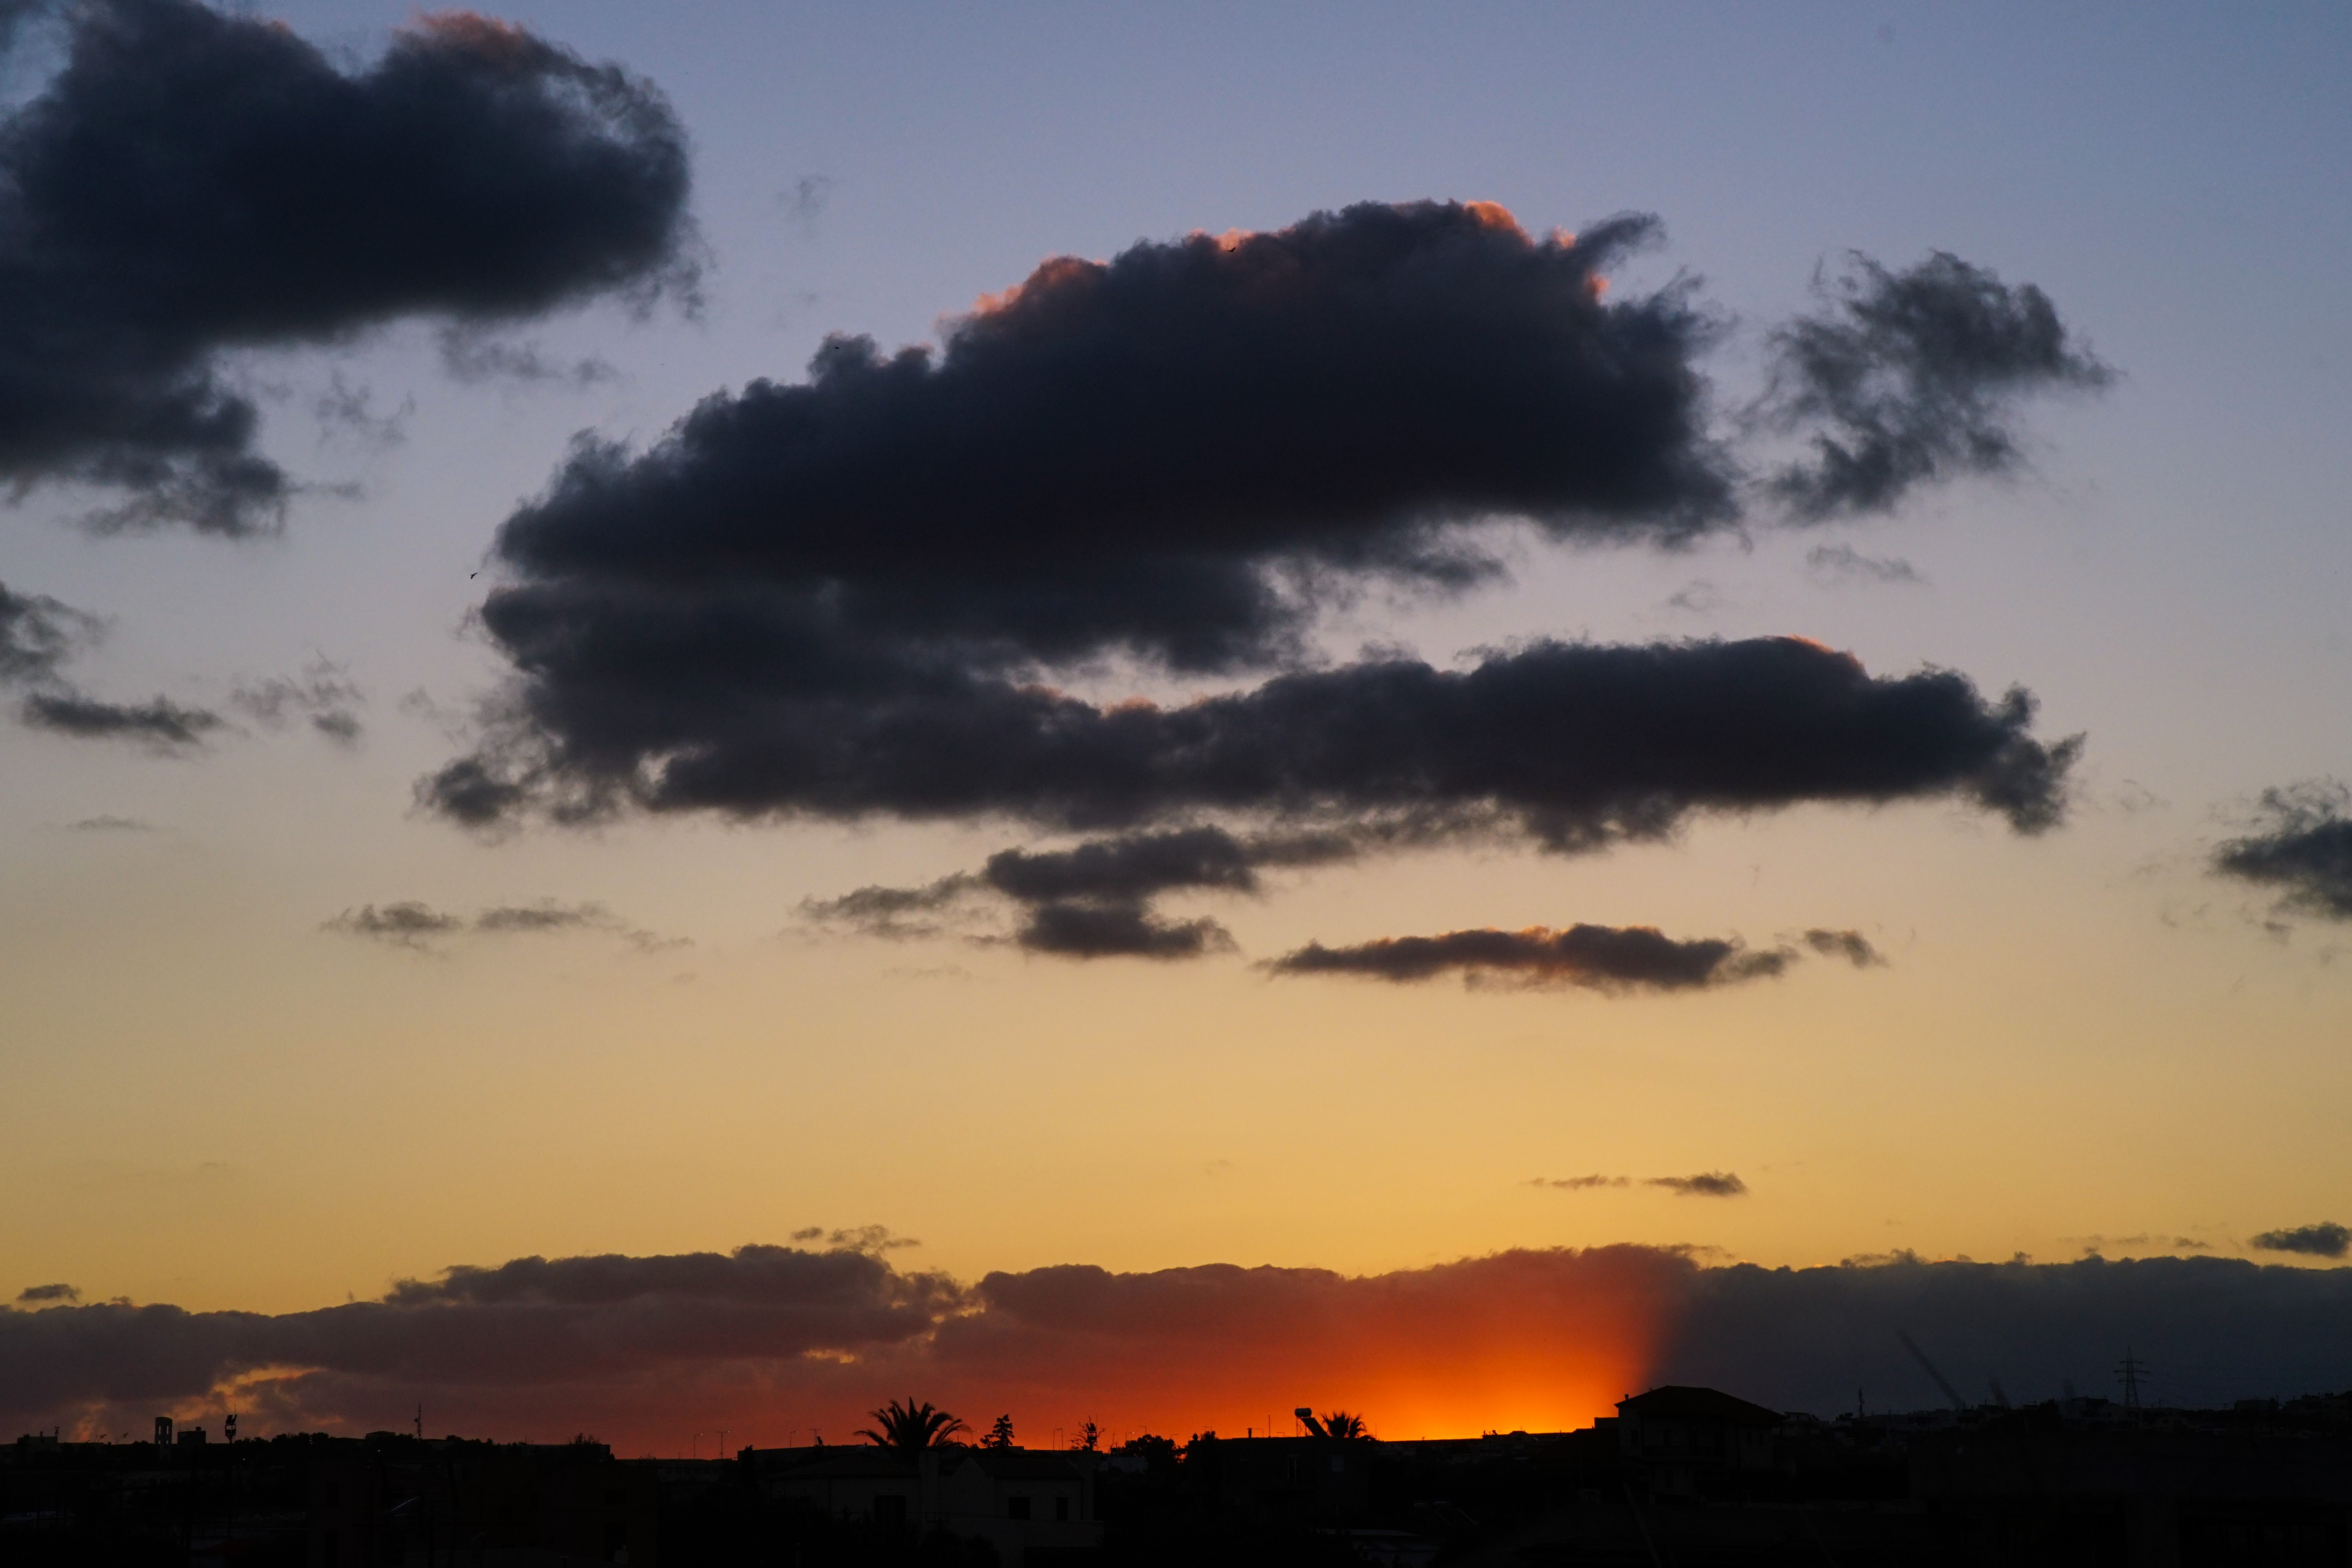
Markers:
1021,1465
1680,1402
859,1464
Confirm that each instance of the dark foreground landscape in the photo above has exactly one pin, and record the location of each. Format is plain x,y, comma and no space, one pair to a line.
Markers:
1680,1477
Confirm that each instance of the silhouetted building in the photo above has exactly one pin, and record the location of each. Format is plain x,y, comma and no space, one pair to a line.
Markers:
1318,1480
1019,1501
1694,1442
390,1503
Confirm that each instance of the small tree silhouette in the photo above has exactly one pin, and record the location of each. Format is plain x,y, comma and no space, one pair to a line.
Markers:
1000,1434
1339,1423
911,1427
1089,1439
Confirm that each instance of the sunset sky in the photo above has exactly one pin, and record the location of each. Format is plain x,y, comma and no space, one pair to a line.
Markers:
338,949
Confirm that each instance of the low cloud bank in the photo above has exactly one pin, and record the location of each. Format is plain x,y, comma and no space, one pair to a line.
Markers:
776,1340
2214,1329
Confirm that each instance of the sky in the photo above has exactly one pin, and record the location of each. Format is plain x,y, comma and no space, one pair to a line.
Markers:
1128,792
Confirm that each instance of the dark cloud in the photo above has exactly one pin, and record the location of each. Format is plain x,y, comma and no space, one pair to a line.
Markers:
323,695
1118,931
39,634
1706,1184
111,823
2324,1240
193,183
1595,958
1908,378
158,724
1094,900
36,635
1128,455
1838,564
2303,846
47,1295
410,923
1850,945
684,706
406,924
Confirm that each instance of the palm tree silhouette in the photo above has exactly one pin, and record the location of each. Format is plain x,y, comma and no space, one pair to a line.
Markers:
911,1427
1336,1423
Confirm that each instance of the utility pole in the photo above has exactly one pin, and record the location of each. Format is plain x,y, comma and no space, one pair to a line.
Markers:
2129,1372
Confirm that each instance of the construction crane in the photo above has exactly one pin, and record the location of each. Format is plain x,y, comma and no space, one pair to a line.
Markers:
1921,1357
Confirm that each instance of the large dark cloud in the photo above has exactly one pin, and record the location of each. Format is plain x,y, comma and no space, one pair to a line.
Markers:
866,594
2303,846
640,1349
1123,454
1905,378
193,183
681,705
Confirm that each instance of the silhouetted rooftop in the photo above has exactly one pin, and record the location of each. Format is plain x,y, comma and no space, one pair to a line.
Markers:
1675,1401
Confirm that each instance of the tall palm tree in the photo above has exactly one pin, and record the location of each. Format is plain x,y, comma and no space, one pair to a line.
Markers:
911,1427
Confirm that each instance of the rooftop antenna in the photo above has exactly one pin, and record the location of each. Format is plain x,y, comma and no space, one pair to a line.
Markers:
1921,1357
2129,1372
420,1423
